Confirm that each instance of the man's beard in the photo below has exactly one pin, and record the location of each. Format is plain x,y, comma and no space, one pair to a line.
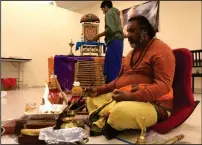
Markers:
133,45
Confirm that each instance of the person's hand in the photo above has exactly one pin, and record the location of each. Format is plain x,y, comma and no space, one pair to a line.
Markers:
96,38
119,95
135,88
91,91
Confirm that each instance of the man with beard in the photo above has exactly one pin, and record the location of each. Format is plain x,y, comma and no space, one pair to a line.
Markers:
149,70
114,40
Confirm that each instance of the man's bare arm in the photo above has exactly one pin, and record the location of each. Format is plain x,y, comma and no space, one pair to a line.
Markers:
101,34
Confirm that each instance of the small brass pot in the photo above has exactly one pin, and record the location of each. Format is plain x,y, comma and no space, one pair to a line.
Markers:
69,122
68,125
71,113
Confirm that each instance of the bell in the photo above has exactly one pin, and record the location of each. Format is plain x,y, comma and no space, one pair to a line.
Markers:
141,140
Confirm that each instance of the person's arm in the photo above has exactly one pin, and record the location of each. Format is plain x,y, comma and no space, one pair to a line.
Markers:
163,68
101,34
109,87
110,24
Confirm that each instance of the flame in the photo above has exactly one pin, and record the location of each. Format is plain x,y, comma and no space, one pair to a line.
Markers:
47,104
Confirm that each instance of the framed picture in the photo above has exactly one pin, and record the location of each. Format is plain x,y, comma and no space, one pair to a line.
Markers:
89,31
148,9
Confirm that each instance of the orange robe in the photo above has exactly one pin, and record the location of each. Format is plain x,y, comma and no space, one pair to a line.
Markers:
155,68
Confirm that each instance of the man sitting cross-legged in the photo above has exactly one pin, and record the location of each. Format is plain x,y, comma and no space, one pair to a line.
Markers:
141,95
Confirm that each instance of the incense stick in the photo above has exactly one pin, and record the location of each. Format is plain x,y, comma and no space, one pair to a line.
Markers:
81,107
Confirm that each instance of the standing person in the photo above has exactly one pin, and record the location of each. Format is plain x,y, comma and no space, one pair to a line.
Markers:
114,40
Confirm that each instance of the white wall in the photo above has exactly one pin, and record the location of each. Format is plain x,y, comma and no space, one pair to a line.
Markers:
36,31
180,23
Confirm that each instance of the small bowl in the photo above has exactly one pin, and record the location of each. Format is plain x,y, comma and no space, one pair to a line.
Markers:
2,130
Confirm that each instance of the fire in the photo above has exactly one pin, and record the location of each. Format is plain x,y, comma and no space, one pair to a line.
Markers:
48,107
47,104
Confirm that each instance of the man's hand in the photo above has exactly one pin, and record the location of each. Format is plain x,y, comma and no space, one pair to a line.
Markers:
91,91
119,95
96,38
135,88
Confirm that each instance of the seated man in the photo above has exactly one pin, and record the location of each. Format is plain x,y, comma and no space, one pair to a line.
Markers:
149,68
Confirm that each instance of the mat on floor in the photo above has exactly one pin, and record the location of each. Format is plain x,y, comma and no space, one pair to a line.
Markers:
130,137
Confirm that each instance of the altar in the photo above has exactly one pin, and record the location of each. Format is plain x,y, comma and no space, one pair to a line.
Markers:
87,44
91,47
64,67
87,68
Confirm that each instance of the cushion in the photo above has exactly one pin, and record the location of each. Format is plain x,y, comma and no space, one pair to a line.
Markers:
176,119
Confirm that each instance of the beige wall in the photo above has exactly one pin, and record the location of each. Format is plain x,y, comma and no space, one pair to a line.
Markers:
180,23
36,31
40,31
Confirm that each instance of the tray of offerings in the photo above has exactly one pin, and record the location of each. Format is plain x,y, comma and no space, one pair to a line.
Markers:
46,112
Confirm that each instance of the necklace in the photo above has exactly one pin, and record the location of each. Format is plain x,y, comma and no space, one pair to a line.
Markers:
141,56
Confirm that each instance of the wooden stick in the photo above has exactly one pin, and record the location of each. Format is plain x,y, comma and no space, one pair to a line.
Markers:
81,107
60,89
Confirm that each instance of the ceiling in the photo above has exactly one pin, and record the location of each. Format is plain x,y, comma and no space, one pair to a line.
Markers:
75,5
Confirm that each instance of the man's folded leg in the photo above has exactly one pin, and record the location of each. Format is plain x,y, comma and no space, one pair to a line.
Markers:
130,115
